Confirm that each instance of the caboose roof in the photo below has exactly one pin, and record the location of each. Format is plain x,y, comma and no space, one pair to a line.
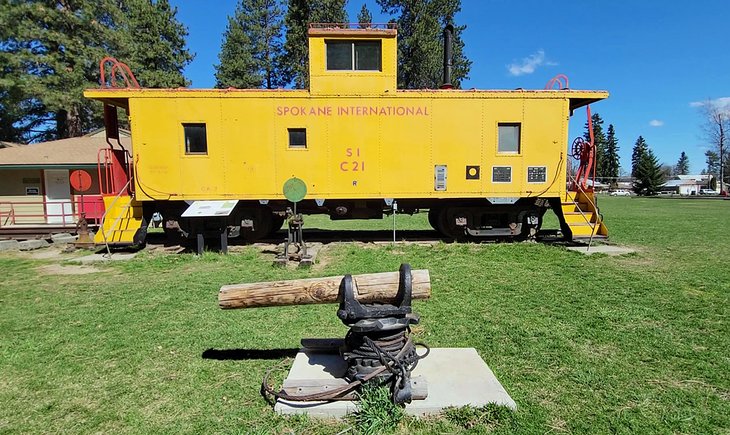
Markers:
120,97
369,30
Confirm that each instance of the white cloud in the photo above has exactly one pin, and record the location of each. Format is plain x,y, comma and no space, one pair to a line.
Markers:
719,102
722,105
656,123
529,64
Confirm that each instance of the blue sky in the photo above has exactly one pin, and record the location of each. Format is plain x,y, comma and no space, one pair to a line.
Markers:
655,57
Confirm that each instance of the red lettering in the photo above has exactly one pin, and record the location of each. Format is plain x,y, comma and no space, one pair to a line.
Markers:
343,166
348,152
358,152
354,166
279,111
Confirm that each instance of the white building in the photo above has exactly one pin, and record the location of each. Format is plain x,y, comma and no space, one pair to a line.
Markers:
690,184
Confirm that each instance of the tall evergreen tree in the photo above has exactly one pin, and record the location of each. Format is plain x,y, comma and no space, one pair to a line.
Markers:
682,167
420,42
50,52
10,116
649,175
364,18
712,159
599,143
639,150
299,14
156,48
611,165
252,49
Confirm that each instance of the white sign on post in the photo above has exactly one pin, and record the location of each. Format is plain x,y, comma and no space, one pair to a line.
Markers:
210,208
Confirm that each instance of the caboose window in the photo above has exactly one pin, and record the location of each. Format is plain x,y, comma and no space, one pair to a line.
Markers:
297,138
509,138
354,55
196,140
339,55
367,55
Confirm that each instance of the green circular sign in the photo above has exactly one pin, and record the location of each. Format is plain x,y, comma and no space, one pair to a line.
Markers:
295,190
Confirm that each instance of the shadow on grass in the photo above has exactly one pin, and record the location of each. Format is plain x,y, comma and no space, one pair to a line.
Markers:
245,354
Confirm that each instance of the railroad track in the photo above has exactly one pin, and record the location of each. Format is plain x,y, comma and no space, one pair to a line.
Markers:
34,232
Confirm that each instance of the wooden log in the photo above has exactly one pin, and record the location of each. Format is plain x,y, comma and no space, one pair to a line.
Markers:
303,387
370,287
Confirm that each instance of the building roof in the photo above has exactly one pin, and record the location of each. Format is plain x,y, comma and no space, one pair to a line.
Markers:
701,178
74,151
677,183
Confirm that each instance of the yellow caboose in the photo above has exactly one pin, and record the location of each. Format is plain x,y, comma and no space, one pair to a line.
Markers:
483,162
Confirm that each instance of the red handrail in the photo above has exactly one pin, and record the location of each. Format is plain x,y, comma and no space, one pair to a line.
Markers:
112,161
78,207
118,68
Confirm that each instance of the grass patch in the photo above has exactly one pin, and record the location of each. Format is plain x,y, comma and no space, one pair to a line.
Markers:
376,413
583,344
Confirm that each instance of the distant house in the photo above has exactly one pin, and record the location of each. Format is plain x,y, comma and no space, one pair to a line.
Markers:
35,185
689,184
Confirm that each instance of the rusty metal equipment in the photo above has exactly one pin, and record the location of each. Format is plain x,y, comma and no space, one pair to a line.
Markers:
294,190
378,347
82,230
295,249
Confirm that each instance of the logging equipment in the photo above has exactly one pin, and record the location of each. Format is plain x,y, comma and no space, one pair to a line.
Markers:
378,346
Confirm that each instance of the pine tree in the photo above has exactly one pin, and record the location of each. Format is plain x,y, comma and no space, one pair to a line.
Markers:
299,15
10,116
713,163
611,165
252,49
50,53
649,176
639,150
599,143
682,167
420,42
156,43
364,18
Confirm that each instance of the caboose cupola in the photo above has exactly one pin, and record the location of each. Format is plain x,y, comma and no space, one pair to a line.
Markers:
347,60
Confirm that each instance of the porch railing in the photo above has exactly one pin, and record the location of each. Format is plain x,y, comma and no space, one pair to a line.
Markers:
68,211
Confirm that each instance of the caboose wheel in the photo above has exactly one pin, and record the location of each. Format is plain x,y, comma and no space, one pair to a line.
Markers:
433,217
277,222
447,224
256,223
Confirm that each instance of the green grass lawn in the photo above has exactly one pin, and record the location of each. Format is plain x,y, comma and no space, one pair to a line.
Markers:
638,343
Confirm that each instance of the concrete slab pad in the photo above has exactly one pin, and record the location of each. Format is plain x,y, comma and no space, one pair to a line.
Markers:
29,245
472,384
60,240
602,249
61,236
116,256
9,245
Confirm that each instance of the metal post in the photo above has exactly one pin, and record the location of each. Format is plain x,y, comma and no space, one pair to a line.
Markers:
201,244
394,207
224,241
